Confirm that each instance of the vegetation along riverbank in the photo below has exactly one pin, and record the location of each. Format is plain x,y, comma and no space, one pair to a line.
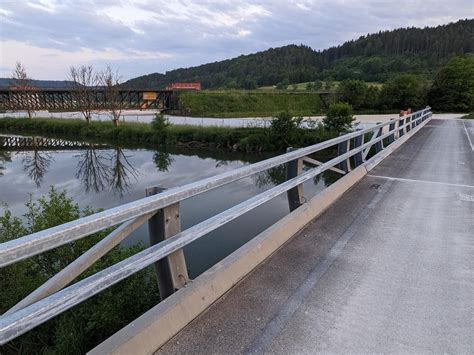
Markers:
284,131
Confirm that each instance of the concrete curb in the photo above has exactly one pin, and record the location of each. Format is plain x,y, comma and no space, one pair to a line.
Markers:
157,326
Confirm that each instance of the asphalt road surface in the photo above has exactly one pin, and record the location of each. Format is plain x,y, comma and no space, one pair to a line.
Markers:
388,268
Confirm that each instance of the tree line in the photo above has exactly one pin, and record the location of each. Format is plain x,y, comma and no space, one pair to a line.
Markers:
375,57
451,90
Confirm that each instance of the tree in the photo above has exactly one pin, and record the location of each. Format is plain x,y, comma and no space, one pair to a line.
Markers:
22,82
282,85
453,87
353,92
284,129
402,92
339,117
111,81
85,80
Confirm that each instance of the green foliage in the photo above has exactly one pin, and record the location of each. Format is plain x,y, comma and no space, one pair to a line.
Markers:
84,326
283,85
402,92
375,57
316,85
453,87
285,128
339,117
159,122
354,92
144,135
248,104
469,116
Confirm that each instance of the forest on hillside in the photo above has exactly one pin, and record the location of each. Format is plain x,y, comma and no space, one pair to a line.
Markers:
374,57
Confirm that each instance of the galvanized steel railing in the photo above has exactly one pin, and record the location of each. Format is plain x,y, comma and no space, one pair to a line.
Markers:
52,298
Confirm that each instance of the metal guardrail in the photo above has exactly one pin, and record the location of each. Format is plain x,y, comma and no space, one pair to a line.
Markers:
52,298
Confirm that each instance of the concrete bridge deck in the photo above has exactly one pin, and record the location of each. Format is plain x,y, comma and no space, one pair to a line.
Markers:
388,268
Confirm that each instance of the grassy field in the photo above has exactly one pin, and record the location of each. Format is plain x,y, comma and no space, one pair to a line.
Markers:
249,103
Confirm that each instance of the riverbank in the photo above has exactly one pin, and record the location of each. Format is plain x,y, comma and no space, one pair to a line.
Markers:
233,139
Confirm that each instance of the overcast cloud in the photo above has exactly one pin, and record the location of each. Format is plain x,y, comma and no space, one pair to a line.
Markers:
144,36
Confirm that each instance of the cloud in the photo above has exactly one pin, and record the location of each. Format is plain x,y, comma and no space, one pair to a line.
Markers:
143,36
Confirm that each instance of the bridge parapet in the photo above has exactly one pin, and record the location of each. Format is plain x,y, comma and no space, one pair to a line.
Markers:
54,297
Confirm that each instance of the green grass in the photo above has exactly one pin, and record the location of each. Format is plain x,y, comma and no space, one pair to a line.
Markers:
469,116
229,104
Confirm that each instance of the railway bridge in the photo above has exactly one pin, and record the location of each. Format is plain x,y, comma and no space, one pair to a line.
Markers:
76,99
379,261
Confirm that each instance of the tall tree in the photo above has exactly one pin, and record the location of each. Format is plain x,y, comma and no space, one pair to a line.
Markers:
453,87
85,79
22,82
110,79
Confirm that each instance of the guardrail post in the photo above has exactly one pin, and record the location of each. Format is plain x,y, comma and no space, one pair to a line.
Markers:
379,144
343,148
296,194
391,128
401,129
408,126
171,272
358,158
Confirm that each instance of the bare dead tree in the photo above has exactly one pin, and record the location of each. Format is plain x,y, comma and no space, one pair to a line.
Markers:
85,80
22,82
114,104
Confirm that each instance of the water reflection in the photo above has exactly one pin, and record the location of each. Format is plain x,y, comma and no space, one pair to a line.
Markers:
162,160
5,157
90,172
122,173
92,169
99,169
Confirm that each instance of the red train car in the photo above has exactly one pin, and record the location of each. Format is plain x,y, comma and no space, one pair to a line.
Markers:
184,86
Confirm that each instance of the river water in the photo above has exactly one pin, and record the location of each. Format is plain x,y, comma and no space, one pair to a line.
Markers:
101,176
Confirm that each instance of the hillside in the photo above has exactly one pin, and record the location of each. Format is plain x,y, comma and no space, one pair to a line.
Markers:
375,57
42,84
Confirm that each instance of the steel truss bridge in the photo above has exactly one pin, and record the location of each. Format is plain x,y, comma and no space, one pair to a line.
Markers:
78,99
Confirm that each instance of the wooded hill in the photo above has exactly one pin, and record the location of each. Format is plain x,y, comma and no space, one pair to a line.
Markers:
375,57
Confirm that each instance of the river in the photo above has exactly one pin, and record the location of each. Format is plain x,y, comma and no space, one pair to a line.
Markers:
101,176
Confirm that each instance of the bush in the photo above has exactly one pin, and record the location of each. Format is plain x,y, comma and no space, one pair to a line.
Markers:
339,117
85,325
284,129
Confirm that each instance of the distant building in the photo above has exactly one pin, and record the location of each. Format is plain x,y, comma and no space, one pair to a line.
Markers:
184,86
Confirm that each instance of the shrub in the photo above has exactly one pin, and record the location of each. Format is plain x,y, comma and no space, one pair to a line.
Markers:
339,117
284,129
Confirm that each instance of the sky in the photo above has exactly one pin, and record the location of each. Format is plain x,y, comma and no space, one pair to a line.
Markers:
138,37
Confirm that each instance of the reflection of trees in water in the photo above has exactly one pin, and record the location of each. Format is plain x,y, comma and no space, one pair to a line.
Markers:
277,175
273,176
36,165
92,169
98,170
5,157
162,160
121,172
